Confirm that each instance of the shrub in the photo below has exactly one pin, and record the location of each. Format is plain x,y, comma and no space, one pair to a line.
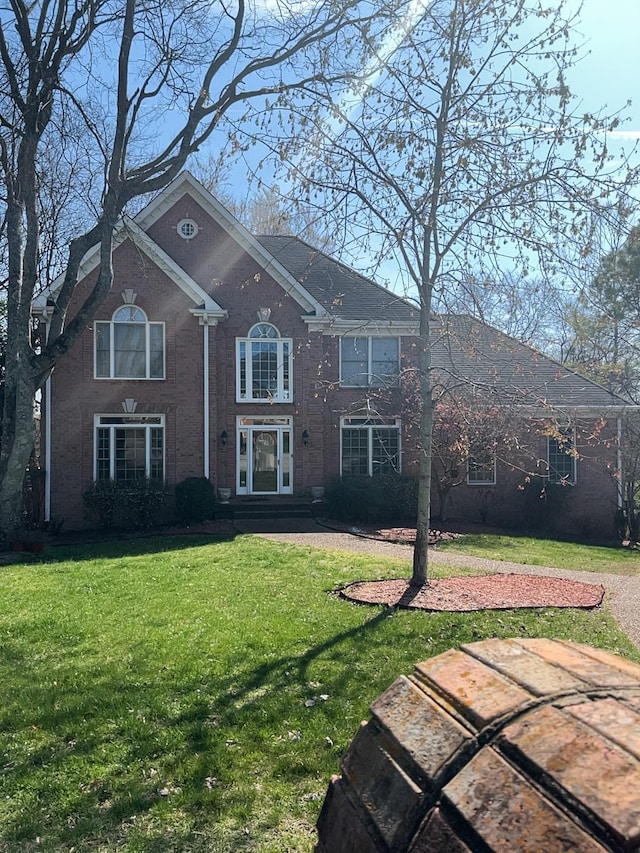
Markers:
388,498
543,506
131,505
195,500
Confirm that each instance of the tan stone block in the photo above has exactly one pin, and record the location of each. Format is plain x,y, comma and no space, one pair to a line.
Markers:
390,796
601,669
342,827
614,720
509,814
422,728
514,660
590,767
479,693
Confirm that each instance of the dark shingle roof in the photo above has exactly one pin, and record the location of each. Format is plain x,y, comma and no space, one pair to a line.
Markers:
342,292
464,347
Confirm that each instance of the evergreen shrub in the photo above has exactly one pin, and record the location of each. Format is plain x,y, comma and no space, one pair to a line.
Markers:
195,500
131,505
386,498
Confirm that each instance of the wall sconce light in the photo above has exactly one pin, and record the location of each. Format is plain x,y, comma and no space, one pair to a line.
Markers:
223,437
305,437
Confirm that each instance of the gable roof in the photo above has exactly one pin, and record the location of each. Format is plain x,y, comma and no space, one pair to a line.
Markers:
463,348
467,349
339,300
349,299
128,229
186,183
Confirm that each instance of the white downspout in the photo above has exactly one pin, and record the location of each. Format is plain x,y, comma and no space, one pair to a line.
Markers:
205,402
621,489
47,449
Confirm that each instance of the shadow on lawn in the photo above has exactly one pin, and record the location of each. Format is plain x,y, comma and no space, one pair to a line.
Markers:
90,760
119,546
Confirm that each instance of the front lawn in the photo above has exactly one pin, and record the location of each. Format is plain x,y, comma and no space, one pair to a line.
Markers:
547,552
178,695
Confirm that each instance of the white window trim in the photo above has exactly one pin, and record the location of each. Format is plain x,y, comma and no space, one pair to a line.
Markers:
392,423
136,422
490,482
187,224
370,338
147,339
282,395
573,479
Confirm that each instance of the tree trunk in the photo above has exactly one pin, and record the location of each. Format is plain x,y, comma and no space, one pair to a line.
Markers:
18,438
444,495
421,548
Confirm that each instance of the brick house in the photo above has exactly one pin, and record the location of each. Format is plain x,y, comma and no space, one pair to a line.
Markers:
267,367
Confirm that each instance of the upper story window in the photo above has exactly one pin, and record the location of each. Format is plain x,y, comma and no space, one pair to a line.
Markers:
187,229
129,346
264,366
561,457
367,361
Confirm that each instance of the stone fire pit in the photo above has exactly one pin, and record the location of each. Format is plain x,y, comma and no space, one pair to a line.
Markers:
503,745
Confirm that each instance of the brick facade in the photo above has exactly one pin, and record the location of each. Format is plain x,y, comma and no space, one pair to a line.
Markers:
228,273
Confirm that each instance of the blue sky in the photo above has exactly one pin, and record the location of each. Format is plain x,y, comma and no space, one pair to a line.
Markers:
605,78
609,74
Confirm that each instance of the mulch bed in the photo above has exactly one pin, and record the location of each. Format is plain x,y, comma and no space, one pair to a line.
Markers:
487,592
399,535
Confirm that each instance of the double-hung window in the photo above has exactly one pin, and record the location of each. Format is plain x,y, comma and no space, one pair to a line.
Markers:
481,469
264,366
561,457
129,447
369,362
129,346
369,447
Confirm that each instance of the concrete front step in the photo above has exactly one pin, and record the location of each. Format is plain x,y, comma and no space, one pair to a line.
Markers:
271,508
271,513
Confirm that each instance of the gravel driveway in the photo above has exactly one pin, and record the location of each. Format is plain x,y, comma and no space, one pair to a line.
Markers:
623,592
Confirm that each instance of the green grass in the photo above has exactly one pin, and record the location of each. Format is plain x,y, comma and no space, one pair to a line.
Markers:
546,552
177,695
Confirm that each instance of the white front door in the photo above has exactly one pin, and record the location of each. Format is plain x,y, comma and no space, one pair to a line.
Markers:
264,461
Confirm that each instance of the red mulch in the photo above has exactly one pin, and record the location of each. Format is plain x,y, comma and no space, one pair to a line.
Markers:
401,535
488,592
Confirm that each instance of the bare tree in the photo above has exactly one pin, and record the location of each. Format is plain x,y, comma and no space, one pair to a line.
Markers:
465,156
265,209
104,102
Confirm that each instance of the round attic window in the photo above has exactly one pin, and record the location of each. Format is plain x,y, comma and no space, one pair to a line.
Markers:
187,229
